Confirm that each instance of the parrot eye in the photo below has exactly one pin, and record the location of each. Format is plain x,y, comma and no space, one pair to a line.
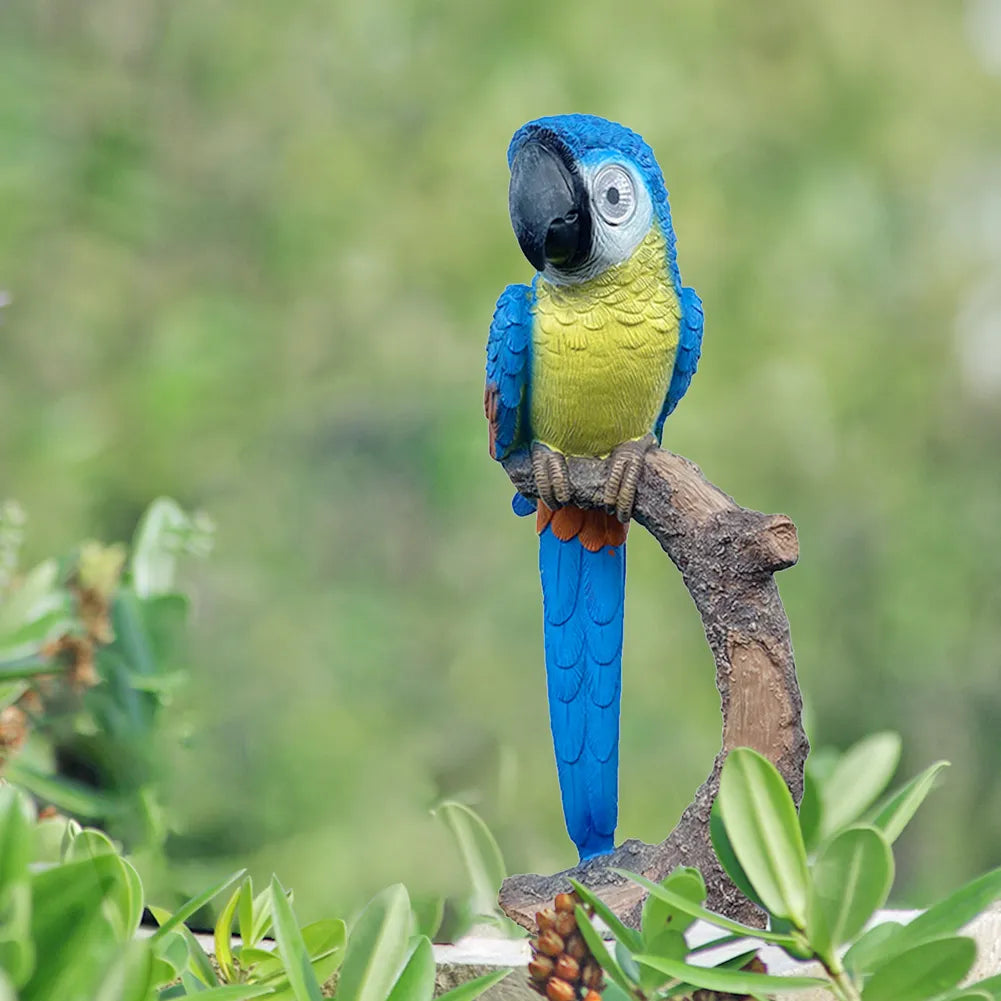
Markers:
614,195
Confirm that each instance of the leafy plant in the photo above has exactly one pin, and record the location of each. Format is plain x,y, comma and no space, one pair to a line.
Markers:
87,663
819,903
70,909
484,864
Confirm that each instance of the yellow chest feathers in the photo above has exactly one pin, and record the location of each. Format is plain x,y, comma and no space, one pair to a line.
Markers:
603,352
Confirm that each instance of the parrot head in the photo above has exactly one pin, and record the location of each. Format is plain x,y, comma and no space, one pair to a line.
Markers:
584,194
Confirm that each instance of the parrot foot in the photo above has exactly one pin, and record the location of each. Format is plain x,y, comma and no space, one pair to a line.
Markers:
624,467
552,477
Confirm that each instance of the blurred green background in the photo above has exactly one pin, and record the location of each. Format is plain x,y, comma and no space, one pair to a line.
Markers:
251,252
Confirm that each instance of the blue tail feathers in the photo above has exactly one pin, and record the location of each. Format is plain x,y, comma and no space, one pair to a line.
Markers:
583,593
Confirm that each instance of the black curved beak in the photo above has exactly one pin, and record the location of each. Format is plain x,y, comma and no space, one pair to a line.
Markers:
549,207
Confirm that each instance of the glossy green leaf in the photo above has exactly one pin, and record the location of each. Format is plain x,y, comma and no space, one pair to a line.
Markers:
376,946
292,948
195,904
968,995
628,936
923,971
473,988
416,979
858,778
128,899
222,934
715,978
849,881
480,853
698,911
601,954
895,813
726,856
873,948
763,828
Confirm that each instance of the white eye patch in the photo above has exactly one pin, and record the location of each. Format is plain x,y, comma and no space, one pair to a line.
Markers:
613,195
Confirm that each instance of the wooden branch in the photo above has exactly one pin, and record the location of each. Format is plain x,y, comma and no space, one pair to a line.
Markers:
727,556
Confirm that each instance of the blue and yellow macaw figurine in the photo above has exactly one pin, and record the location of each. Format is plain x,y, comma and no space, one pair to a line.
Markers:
588,360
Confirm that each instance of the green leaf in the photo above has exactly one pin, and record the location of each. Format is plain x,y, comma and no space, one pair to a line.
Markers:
17,947
376,946
923,971
199,964
627,936
246,912
697,911
991,986
809,811
726,856
859,776
292,948
11,691
130,977
667,944
473,988
601,954
195,904
16,815
15,668
69,933
894,813
849,881
957,910
234,992
873,948
480,853
428,912
262,915
163,532
222,934
763,828
658,915
67,796
416,980
715,978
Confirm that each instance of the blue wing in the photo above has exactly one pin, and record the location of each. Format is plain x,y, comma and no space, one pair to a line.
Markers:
509,360
686,361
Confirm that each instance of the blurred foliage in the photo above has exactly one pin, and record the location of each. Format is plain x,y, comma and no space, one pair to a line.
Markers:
89,658
250,253
71,906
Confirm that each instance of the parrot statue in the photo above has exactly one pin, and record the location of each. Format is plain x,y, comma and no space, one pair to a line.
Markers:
589,359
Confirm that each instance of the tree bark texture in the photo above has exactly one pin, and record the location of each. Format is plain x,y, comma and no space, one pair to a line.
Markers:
727,556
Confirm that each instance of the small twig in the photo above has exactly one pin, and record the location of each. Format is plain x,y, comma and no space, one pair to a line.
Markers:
727,556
